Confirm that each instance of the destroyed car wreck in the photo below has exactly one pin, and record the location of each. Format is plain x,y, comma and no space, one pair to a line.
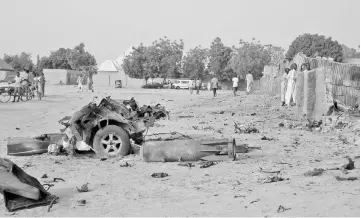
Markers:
106,128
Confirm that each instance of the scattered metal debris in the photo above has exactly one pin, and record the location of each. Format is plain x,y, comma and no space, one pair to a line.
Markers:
244,129
60,179
190,165
126,164
44,176
271,179
81,202
52,202
266,171
258,199
159,175
352,178
207,164
314,172
350,165
48,186
83,188
282,209
266,138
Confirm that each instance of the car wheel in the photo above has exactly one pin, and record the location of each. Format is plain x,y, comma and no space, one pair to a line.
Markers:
111,141
177,87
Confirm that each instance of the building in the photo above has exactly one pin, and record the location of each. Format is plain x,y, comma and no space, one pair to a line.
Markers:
61,76
108,73
5,70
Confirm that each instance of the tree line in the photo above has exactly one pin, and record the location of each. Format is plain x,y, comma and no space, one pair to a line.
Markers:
164,59
71,59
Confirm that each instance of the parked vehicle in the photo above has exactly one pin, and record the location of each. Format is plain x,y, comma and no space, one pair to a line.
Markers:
182,84
153,86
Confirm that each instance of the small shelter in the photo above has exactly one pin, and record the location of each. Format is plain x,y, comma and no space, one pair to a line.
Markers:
5,70
108,72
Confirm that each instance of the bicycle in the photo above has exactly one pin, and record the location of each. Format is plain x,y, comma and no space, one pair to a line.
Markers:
34,91
5,94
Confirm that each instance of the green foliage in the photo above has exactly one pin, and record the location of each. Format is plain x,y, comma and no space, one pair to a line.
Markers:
161,59
350,52
20,62
316,45
252,56
219,56
194,63
70,59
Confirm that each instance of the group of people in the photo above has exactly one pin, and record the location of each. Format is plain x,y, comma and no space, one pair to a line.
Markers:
289,84
214,84
23,83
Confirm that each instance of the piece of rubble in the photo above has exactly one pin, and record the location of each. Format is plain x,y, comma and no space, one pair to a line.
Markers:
83,188
19,189
159,175
314,172
350,165
352,178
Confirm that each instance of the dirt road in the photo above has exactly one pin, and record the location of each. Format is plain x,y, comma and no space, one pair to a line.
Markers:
235,188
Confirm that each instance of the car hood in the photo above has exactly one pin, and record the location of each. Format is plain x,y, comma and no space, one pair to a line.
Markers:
6,85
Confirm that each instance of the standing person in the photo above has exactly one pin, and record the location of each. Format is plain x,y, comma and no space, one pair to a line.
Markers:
291,82
198,85
214,86
42,84
284,85
235,81
90,83
249,80
25,84
191,86
80,83
17,86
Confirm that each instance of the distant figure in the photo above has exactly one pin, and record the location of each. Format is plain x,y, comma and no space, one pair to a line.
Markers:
17,86
198,85
214,86
191,85
25,84
284,85
42,84
90,83
249,80
291,83
235,84
80,83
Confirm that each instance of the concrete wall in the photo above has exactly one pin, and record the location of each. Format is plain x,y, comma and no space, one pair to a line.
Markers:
55,76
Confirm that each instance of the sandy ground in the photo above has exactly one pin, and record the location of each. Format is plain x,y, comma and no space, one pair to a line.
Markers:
232,188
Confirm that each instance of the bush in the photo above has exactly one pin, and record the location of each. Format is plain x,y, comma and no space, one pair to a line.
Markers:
153,86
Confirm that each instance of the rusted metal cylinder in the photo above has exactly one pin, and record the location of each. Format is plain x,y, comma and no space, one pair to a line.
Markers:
186,150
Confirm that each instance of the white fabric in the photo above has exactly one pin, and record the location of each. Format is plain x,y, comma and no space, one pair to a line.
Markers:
17,83
290,93
249,77
283,86
235,82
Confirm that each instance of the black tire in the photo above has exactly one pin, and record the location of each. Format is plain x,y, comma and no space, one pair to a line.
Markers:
5,96
177,87
116,133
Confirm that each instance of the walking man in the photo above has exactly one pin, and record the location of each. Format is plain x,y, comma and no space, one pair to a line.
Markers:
80,83
17,86
214,86
198,85
249,80
235,84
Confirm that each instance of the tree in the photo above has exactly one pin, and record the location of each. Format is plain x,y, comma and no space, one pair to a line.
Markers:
59,59
219,56
134,63
20,62
349,52
316,45
194,63
78,57
252,56
45,63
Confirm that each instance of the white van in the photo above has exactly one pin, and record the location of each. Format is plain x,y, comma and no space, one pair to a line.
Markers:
182,84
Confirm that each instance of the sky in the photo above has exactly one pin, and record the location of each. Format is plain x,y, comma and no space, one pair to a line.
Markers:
110,27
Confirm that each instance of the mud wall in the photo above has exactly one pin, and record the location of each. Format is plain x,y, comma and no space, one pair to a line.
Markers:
344,79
